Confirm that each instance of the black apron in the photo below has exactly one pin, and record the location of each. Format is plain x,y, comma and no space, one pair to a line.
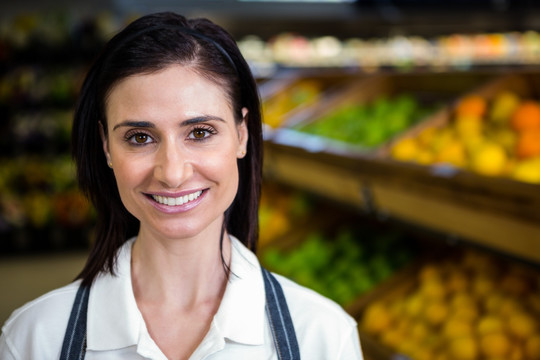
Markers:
74,346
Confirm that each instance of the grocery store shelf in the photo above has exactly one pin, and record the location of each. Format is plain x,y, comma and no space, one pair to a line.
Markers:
498,213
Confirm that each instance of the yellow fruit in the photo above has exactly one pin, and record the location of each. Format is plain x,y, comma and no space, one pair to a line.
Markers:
436,312
468,126
453,153
462,300
532,347
414,305
405,150
510,306
429,272
456,327
504,105
527,171
489,159
522,325
490,324
426,136
483,285
441,139
425,157
392,338
376,318
494,302
433,289
418,331
506,138
463,348
495,344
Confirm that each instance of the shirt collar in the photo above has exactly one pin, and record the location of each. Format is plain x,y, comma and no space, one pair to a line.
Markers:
115,322
241,314
113,317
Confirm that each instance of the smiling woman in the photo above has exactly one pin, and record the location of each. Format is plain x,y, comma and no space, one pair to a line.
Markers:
168,145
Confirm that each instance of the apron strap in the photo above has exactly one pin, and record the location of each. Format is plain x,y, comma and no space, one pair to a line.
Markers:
280,319
74,346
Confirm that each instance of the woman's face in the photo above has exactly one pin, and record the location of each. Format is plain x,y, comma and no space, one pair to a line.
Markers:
173,143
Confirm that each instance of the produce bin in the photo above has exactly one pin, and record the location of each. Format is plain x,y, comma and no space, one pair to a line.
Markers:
368,112
467,304
480,132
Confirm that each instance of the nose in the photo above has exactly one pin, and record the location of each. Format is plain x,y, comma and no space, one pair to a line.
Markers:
172,166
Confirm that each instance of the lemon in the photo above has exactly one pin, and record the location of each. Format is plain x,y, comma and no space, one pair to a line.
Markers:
463,348
392,338
414,305
456,327
452,153
433,289
483,285
527,170
522,325
468,126
405,150
425,157
504,105
376,318
489,159
489,324
436,312
495,344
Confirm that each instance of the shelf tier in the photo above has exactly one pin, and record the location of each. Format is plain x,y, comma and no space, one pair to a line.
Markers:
497,213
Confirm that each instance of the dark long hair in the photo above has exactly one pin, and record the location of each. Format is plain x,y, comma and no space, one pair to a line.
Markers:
150,44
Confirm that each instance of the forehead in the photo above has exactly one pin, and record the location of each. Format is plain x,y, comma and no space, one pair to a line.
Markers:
173,88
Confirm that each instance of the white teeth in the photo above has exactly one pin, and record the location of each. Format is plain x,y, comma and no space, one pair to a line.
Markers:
176,201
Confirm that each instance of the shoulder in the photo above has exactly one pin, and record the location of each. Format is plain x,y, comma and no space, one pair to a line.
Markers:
39,325
321,325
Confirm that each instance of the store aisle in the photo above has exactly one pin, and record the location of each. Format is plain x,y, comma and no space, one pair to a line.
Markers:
25,278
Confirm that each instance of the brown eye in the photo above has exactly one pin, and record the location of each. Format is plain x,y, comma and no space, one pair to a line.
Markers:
199,134
141,138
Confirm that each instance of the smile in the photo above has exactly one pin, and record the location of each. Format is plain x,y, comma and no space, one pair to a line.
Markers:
175,201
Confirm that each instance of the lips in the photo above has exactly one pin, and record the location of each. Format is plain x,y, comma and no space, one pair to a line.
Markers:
177,201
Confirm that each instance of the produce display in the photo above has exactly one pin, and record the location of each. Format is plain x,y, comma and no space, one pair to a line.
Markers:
345,265
500,137
470,307
43,58
302,92
368,124
406,52
280,210
40,196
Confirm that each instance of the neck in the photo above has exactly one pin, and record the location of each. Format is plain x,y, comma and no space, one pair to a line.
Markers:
182,273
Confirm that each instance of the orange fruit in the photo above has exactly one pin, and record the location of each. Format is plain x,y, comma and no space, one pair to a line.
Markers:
526,116
471,105
528,144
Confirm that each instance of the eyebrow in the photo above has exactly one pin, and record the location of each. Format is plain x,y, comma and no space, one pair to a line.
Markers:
148,124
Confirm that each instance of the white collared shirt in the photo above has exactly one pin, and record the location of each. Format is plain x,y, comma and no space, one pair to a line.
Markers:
239,330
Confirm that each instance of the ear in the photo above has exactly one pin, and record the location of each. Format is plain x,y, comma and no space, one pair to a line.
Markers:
105,143
243,135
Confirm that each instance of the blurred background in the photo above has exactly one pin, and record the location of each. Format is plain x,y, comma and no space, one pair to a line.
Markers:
402,158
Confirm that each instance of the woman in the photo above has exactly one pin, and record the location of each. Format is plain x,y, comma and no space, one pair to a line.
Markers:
167,141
